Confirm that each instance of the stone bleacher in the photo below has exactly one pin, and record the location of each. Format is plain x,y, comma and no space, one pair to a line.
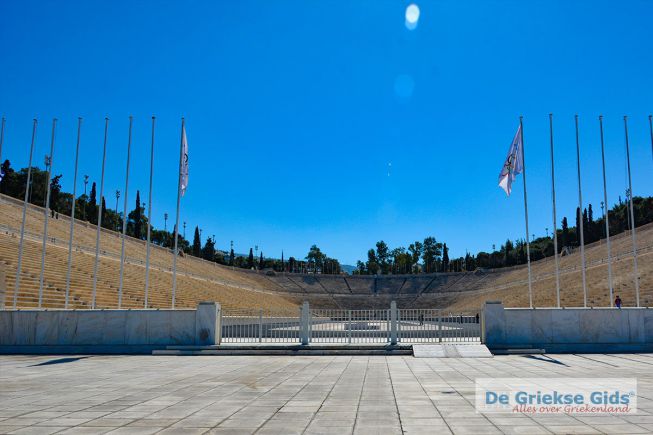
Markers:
196,280
238,288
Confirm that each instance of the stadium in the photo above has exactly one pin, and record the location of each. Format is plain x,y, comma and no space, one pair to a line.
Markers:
199,280
353,263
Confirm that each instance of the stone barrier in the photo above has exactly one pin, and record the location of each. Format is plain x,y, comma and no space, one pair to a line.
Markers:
107,331
567,330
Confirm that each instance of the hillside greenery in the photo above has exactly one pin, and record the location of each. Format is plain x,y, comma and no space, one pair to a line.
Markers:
427,256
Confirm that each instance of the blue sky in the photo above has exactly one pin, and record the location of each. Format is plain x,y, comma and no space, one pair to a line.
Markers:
295,111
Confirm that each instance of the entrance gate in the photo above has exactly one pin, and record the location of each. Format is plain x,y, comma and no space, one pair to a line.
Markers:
389,326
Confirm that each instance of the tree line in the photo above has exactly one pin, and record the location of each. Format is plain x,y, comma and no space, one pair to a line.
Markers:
14,183
427,256
430,255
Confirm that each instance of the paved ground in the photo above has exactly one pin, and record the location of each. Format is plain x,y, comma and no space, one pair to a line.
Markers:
287,395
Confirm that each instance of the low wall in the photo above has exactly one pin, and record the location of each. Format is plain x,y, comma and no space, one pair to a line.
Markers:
107,331
567,330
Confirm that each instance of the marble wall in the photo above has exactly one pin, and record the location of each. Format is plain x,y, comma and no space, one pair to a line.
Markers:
583,329
110,327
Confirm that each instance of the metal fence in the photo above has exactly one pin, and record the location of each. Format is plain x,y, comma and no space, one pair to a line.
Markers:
260,326
437,326
348,326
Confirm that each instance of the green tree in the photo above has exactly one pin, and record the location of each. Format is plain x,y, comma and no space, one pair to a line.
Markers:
508,258
208,251
315,258
397,260
372,265
445,257
565,234
91,206
106,222
331,266
522,252
383,256
431,253
138,216
250,259
579,220
197,243
415,250
55,193
470,262
9,185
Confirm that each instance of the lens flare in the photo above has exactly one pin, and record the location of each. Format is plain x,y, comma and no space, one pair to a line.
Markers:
412,16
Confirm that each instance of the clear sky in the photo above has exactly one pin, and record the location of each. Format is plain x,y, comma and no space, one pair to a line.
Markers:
333,122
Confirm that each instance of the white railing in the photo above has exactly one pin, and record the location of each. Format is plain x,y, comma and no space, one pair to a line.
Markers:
349,326
437,326
389,326
260,326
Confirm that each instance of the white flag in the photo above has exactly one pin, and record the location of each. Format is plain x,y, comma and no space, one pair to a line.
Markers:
514,164
184,161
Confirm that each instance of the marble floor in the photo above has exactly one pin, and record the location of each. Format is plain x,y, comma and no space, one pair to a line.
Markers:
293,395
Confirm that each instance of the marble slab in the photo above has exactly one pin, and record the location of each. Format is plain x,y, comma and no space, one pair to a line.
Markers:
106,327
568,327
451,351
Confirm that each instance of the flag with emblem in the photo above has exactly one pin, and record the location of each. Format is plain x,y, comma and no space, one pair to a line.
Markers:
514,164
184,161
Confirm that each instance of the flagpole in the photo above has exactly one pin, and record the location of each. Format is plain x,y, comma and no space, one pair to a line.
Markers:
2,136
607,212
124,217
174,253
149,216
580,217
632,213
650,126
555,219
46,211
99,216
72,215
528,245
22,224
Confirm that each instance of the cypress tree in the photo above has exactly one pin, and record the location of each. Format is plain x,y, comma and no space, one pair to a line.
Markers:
231,257
91,205
591,227
250,259
197,243
590,214
104,215
260,261
565,233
